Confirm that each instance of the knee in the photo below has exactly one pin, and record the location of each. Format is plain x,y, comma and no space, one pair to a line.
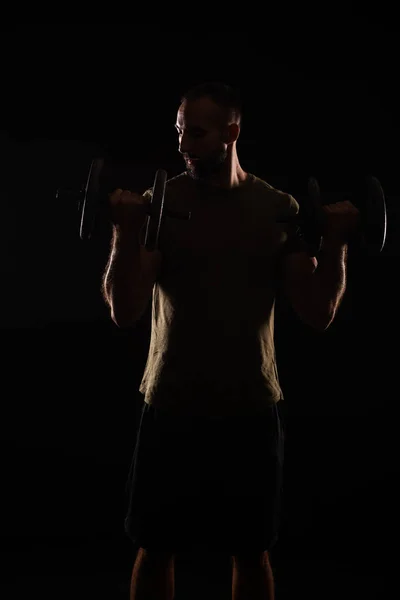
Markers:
250,560
156,557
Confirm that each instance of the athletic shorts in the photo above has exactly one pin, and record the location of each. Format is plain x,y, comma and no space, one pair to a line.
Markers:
199,482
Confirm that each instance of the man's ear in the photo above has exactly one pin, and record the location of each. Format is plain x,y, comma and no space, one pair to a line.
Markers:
231,133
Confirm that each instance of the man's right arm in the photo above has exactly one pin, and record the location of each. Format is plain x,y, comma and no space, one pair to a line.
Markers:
130,273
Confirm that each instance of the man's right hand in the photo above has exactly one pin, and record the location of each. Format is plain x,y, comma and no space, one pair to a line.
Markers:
132,270
128,210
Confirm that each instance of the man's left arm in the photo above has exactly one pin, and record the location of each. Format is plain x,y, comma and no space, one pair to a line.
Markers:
316,286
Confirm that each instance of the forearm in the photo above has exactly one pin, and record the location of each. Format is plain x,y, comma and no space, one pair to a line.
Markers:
330,277
123,278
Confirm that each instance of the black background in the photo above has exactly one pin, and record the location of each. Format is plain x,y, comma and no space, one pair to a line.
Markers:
319,98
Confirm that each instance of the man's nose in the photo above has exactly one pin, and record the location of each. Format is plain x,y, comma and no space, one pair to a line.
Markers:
184,144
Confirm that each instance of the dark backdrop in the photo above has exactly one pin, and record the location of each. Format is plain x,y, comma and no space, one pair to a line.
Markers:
321,100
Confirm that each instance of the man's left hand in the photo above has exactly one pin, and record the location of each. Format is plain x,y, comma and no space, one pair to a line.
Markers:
342,220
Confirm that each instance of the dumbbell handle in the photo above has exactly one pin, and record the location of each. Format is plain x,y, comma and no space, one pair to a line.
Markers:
173,214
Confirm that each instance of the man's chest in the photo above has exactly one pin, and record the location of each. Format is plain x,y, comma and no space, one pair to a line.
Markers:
221,247
222,229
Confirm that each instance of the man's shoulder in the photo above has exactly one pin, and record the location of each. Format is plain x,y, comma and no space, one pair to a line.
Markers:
261,184
273,193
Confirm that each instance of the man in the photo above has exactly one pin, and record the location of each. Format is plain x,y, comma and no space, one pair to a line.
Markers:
207,468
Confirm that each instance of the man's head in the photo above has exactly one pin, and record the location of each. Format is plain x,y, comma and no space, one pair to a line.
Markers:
208,124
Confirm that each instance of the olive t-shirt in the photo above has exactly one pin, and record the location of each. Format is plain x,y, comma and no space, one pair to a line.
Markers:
212,347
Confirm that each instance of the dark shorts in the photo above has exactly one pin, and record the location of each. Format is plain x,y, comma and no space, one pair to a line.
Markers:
198,483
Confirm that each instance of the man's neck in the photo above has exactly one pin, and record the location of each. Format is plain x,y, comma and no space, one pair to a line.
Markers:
232,176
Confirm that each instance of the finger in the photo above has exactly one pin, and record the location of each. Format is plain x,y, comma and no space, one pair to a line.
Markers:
348,207
346,203
341,207
114,196
351,207
126,196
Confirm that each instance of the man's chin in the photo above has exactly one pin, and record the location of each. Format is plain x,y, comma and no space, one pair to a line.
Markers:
203,172
194,174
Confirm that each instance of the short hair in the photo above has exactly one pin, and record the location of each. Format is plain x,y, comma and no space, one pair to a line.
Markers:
223,95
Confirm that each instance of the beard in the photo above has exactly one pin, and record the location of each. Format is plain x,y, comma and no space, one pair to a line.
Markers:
206,168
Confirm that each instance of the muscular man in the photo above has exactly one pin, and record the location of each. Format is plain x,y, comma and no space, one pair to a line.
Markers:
207,468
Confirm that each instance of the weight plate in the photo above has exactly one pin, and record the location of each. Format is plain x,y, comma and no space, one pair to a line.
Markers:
312,217
374,216
156,211
91,199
